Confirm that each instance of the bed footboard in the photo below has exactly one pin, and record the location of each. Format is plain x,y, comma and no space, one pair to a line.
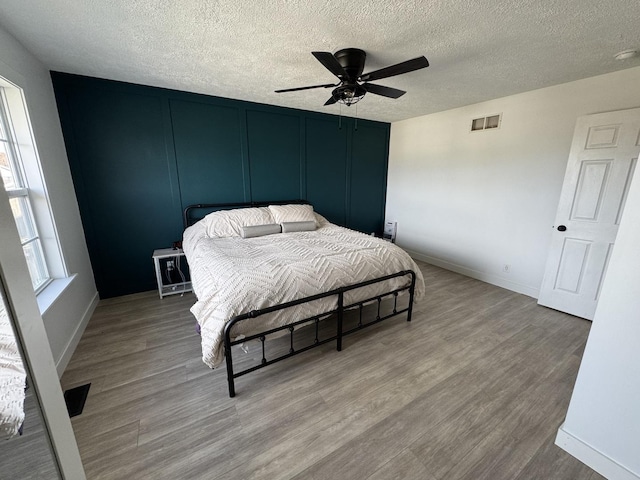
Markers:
315,320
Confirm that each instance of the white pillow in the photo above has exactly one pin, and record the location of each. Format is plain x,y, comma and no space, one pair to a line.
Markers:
320,220
229,223
292,213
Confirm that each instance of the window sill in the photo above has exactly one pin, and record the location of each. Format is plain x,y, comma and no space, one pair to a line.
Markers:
47,297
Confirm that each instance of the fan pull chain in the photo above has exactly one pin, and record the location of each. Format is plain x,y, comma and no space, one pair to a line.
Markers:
340,118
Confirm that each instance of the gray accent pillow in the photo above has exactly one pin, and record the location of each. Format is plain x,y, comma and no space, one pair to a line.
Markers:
260,230
298,226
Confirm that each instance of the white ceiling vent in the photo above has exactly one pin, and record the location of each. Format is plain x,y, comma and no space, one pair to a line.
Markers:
486,123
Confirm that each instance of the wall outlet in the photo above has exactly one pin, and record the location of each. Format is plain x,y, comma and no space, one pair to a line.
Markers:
506,268
169,263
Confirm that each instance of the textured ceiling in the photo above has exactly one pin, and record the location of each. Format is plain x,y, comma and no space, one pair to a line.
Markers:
478,50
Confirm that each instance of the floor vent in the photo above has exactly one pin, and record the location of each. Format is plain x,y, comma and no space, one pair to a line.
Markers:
75,398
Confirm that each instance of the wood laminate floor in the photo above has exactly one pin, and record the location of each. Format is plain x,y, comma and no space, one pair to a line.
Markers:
475,387
28,456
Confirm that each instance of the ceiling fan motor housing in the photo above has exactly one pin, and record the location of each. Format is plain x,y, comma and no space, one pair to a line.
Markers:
352,60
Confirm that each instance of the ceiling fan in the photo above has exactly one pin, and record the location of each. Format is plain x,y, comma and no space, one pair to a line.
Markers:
347,64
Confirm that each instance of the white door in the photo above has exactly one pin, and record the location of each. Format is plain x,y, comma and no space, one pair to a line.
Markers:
603,156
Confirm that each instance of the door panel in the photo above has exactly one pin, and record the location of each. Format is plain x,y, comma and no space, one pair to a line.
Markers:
627,182
573,260
603,136
604,270
601,163
591,184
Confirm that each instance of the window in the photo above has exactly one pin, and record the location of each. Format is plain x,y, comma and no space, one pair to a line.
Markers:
14,179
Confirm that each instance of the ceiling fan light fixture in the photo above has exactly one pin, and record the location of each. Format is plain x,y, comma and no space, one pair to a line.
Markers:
348,94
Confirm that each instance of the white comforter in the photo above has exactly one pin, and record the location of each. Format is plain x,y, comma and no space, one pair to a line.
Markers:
12,379
235,275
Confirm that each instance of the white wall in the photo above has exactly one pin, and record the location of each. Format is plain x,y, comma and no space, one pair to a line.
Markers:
602,427
29,328
66,318
473,202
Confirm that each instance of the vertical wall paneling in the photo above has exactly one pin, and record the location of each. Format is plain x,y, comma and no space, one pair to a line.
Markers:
138,155
349,125
274,155
119,141
172,167
368,179
244,152
326,167
75,166
208,152
303,157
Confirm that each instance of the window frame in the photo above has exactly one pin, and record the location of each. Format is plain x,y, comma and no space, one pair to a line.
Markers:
24,164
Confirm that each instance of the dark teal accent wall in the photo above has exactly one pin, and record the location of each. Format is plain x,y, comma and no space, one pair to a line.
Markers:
326,152
208,148
274,156
139,155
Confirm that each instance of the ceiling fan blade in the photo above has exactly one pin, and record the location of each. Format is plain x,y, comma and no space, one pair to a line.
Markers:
325,85
397,69
384,91
330,63
331,101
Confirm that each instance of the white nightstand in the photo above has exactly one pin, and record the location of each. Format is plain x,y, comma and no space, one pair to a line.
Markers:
167,255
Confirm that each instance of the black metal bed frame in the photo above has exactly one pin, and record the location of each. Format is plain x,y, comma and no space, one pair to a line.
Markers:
228,343
291,327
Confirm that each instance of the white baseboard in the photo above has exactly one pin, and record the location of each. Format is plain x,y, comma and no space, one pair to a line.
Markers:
483,276
593,458
64,359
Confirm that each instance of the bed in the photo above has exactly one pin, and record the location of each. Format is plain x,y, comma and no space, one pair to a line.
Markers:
12,380
269,270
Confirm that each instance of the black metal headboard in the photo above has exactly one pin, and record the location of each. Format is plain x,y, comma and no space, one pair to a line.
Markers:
188,219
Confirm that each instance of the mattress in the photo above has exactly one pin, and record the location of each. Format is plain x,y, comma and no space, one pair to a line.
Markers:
234,275
12,379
